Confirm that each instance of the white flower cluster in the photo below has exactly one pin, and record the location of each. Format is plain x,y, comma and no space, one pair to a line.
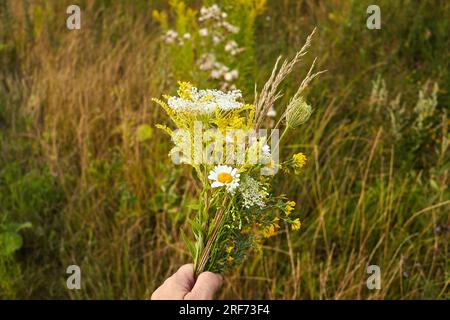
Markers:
215,15
253,193
232,47
206,101
172,36
208,62
215,27
215,32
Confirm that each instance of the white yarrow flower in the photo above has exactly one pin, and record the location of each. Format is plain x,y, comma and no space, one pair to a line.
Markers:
206,101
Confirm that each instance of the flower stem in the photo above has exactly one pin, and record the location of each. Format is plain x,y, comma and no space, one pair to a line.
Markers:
199,267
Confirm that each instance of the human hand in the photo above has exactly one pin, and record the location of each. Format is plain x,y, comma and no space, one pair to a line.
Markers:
182,285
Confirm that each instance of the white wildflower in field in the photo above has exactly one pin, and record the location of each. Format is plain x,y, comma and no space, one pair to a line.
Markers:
170,36
206,61
210,13
230,27
230,76
216,74
203,32
217,39
231,45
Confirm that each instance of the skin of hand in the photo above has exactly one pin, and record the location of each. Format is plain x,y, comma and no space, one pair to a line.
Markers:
182,285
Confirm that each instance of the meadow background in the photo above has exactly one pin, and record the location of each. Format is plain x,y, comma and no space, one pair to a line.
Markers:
85,178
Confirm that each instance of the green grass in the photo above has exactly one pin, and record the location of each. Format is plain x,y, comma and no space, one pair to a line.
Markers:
375,190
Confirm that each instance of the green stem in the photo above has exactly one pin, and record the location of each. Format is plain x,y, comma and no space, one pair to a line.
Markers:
200,265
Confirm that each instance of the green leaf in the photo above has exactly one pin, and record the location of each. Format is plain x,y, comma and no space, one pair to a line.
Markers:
193,206
144,132
9,243
434,185
16,227
189,244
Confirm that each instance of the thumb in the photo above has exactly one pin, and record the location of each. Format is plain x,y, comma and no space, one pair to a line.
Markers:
205,287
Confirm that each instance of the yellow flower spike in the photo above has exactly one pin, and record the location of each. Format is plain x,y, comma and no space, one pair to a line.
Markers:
296,224
184,91
290,205
275,222
269,231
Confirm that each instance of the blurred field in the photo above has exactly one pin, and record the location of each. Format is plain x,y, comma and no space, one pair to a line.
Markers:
375,190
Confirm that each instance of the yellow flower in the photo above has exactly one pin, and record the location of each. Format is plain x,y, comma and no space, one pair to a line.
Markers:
298,161
296,224
270,230
246,230
229,248
184,91
290,205
230,259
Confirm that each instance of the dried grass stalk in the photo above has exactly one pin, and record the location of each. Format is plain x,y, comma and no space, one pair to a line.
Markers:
270,92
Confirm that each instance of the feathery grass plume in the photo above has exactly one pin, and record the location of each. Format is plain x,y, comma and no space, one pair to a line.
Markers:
270,93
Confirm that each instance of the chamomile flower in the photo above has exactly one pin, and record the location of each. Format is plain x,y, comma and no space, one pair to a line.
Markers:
224,176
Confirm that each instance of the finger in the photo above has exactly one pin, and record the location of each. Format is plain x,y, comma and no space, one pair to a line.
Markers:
176,286
184,277
205,287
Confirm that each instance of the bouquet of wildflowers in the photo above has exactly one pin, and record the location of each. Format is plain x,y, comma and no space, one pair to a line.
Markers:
235,159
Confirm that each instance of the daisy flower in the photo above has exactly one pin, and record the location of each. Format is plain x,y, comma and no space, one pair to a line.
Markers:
224,176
